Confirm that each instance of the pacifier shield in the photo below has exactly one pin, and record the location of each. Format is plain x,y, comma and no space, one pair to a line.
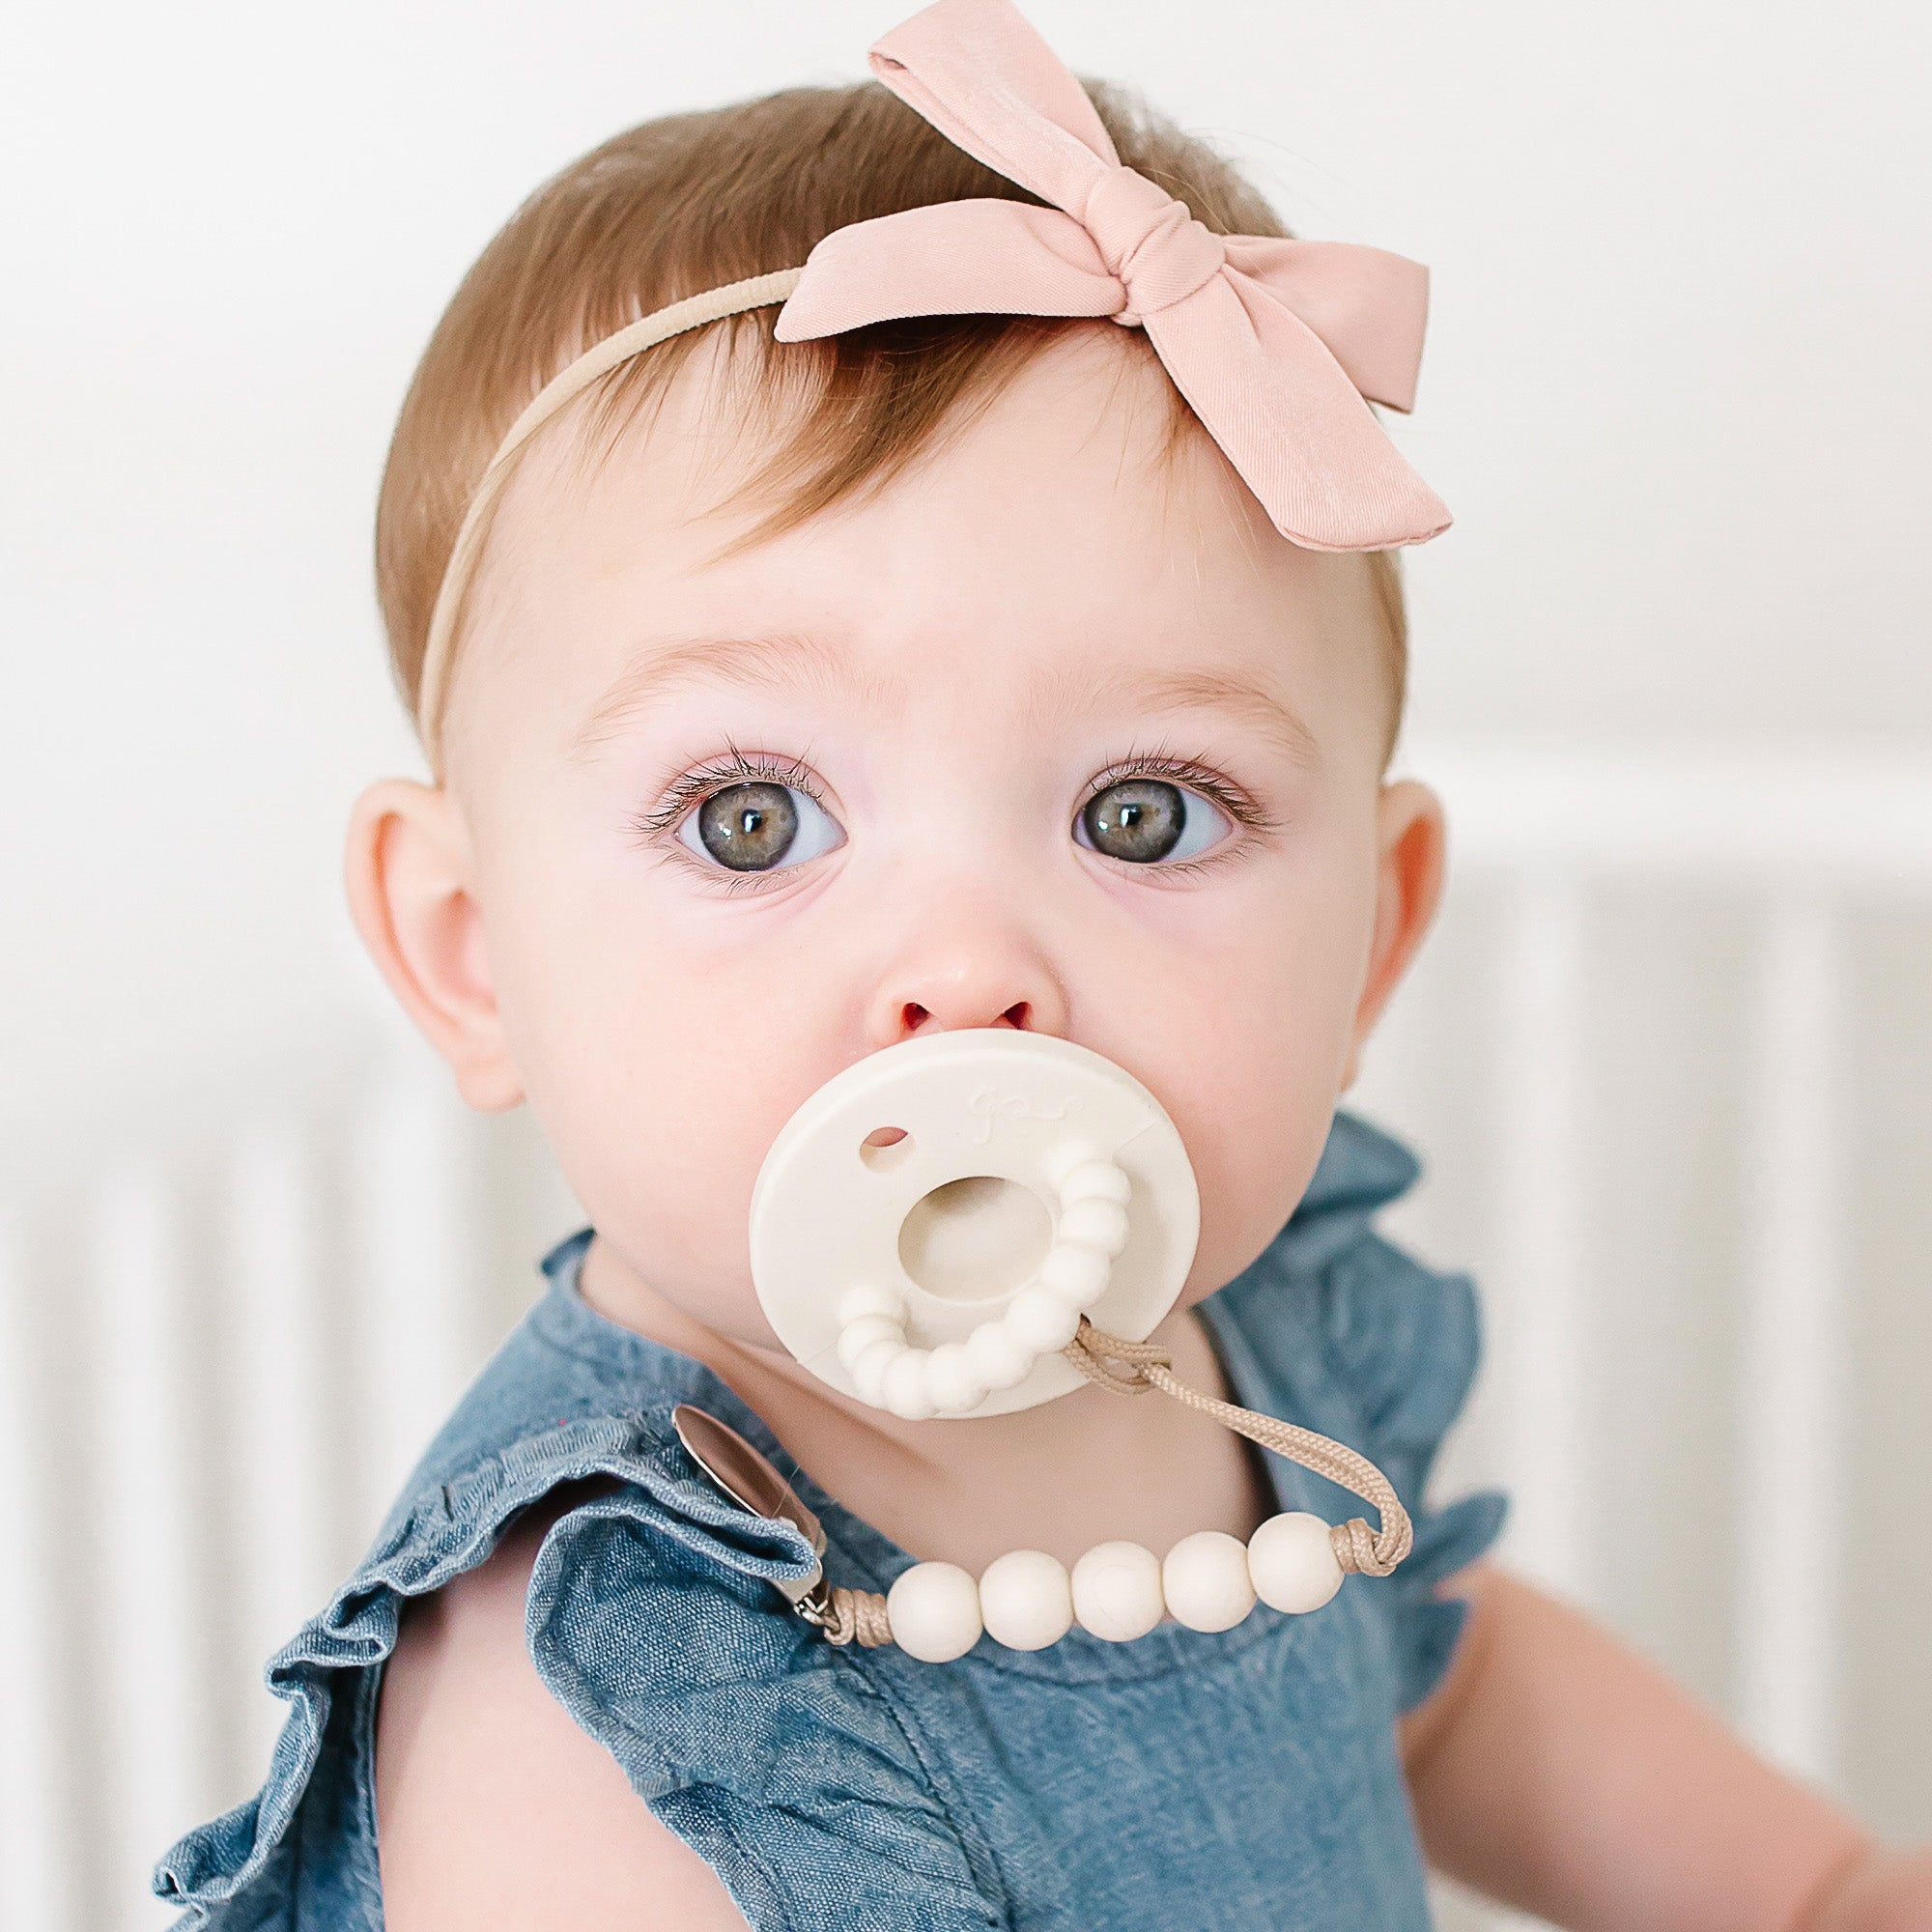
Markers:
930,1227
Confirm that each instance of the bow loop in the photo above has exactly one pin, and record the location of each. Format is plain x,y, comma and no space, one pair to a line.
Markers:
1147,238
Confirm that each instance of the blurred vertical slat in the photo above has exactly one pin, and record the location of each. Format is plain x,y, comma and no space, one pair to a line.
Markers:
417,1207
286,1447
156,1704
36,1841
1541,1234
1792,1396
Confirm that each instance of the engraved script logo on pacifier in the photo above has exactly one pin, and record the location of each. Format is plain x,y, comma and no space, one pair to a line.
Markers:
990,1108
931,1226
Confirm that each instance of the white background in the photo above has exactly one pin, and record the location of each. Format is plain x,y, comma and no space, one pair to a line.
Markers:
1676,392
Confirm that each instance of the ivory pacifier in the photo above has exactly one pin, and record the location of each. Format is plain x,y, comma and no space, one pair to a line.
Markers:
930,1226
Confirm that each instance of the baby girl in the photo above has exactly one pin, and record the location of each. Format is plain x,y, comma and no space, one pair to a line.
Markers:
994,627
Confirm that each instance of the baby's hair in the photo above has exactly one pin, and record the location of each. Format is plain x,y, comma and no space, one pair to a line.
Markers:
692,202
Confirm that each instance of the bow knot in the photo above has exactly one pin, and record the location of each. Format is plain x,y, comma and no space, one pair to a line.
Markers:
1160,254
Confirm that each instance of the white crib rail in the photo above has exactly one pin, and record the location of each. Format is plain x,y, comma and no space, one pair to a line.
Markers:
277,1304
37,1770
265,1327
1793,1378
1808,845
151,1596
1539,1102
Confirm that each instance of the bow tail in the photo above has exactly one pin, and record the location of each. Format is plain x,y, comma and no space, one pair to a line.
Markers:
1370,307
1285,414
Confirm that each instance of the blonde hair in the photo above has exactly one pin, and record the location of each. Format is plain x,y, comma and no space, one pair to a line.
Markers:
690,202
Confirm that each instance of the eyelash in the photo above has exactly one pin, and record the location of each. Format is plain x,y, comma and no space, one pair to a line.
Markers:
1241,805
685,793
736,767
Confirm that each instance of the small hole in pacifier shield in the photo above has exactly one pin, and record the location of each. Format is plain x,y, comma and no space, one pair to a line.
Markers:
976,1238
884,1148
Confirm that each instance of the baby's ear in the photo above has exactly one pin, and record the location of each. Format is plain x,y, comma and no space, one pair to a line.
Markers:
1412,842
408,874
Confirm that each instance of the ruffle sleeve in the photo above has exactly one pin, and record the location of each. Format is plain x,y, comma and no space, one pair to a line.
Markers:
790,1771
1364,1343
1406,1343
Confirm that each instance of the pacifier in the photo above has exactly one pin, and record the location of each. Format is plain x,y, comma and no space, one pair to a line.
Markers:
932,1227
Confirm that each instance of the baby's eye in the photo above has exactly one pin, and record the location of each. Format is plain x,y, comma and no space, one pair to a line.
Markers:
759,827
1145,820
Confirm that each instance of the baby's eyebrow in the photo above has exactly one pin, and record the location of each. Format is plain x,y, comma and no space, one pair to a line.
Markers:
802,662
1267,711
771,662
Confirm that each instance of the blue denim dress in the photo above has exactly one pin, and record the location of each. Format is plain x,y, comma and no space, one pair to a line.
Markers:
1231,1782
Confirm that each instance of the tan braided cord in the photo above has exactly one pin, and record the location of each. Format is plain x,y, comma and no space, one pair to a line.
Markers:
1148,1366
857,1616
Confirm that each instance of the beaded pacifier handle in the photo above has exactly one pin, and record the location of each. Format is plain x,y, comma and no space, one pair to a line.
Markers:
973,1223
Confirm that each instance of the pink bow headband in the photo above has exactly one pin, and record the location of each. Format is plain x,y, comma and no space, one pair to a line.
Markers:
1274,344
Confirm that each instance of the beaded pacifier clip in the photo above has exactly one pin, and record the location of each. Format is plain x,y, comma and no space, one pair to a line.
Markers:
973,1223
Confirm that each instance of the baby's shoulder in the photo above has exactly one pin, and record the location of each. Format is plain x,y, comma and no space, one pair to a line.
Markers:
495,1806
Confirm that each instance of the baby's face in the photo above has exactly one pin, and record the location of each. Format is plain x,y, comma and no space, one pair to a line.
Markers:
1053,731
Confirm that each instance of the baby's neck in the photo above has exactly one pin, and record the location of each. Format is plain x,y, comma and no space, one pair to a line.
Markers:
1082,1470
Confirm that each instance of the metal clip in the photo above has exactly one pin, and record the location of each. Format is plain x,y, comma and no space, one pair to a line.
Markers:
745,1476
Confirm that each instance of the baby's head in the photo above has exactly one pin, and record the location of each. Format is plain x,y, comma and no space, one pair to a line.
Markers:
805,697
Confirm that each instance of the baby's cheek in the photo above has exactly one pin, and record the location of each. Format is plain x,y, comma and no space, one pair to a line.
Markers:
659,1091
1251,1076
1255,1135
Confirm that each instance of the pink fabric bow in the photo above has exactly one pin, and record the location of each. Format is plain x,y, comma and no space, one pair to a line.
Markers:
1274,344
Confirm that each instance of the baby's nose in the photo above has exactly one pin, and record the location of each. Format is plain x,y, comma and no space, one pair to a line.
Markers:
965,970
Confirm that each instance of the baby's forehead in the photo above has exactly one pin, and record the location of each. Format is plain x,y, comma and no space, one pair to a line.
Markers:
727,445
1059,533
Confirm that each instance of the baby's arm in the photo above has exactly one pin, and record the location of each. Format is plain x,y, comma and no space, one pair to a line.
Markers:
494,1812
1556,1770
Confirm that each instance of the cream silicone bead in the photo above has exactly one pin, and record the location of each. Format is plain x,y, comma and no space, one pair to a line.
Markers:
1116,1591
1205,1579
1040,1321
871,1298
997,1359
1096,1180
859,1334
1291,1562
907,1388
1076,1274
953,1384
1100,1225
1026,1599
933,1610
872,1365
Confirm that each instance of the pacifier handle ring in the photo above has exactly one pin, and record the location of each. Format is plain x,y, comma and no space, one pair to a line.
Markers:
1042,1319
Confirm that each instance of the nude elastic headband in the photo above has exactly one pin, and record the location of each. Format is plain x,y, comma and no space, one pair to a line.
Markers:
1274,344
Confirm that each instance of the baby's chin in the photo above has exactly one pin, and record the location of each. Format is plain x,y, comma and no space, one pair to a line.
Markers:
646,1290
1219,1260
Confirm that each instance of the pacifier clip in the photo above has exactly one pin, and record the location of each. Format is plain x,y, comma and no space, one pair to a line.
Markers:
1027,1600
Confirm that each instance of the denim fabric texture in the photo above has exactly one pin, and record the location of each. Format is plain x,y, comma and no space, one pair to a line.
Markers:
1235,1782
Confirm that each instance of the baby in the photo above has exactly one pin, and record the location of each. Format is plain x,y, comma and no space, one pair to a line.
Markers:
804,681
